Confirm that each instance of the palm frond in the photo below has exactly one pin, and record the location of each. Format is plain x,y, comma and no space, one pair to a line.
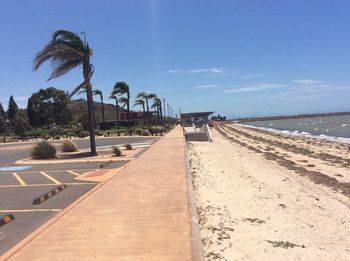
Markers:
142,95
151,95
77,89
64,68
139,102
120,88
97,92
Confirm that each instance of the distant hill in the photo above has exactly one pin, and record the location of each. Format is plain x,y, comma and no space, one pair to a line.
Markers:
78,107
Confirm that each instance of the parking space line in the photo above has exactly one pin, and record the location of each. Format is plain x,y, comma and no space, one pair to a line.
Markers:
50,178
19,179
30,210
44,185
73,173
50,171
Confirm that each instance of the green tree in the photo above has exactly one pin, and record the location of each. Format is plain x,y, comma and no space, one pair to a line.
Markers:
2,124
12,108
47,107
98,92
2,112
20,124
67,51
121,88
83,120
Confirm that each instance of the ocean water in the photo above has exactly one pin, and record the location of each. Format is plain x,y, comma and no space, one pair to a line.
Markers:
331,127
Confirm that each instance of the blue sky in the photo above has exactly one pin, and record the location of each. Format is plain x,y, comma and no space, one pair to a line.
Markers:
237,58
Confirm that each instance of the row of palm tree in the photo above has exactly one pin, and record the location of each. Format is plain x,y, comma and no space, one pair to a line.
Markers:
66,51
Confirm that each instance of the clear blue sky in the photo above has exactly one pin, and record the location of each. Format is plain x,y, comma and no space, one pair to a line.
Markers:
241,58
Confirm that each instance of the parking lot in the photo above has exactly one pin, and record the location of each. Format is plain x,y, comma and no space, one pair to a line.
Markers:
20,185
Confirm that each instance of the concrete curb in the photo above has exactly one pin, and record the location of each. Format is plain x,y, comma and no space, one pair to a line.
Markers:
49,223
196,240
6,219
49,194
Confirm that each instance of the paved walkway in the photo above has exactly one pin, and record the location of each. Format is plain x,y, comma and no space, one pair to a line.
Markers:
139,214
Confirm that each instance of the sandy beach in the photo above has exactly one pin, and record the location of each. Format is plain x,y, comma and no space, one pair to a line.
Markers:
269,196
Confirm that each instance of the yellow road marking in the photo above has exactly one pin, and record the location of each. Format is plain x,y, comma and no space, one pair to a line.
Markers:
19,179
50,184
72,172
30,210
50,178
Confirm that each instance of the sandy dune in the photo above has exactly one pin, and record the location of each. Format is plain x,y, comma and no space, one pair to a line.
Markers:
263,196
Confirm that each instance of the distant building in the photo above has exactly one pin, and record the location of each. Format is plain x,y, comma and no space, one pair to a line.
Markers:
198,118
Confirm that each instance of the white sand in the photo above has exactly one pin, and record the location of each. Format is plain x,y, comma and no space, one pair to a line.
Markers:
248,204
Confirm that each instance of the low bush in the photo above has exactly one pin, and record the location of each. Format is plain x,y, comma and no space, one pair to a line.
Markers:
43,150
69,146
98,133
116,151
128,146
145,133
83,134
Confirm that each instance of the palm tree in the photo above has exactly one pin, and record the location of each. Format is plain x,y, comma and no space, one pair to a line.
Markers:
121,88
115,97
98,92
157,105
141,102
67,51
146,97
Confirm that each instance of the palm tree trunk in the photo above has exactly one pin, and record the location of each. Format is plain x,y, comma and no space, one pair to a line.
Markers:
161,114
117,110
90,106
103,110
143,116
148,114
128,108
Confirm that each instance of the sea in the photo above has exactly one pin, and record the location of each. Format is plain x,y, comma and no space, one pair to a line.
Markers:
328,127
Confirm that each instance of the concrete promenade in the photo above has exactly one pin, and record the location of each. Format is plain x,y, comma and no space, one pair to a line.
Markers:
141,213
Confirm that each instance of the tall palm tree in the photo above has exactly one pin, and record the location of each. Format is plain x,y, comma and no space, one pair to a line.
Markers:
141,102
115,97
121,88
98,92
157,105
67,51
146,97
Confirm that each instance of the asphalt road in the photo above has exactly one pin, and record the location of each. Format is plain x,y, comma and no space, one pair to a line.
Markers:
19,187
11,152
